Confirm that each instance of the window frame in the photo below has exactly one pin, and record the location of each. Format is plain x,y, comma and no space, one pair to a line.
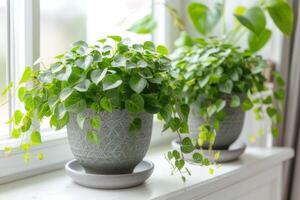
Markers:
23,50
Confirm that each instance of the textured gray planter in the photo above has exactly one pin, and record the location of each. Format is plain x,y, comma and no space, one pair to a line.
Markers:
119,150
229,130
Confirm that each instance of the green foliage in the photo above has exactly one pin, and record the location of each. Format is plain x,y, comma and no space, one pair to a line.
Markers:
213,75
102,78
143,26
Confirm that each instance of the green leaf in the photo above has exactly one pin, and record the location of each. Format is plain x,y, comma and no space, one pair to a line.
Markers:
179,164
96,122
83,86
40,156
226,87
217,155
175,123
135,125
143,26
211,110
137,84
279,94
271,112
35,138
220,104
256,42
64,94
247,104
187,145
111,81
7,88
184,128
92,137
235,101
97,75
204,19
162,50
46,77
16,132
275,131
135,103
267,100
79,43
166,112
26,124
176,154
282,15
106,104
18,115
115,38
22,93
26,75
80,118
254,19
170,155
197,157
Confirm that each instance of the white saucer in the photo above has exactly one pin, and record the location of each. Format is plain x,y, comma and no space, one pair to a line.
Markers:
104,181
232,153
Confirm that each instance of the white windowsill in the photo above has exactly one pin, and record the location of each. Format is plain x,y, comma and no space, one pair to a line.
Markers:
161,185
56,153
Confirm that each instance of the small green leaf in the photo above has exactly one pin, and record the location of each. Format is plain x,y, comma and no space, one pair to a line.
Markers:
175,123
267,100
135,125
7,88
162,50
83,86
26,123
64,94
176,154
115,38
179,164
106,104
137,84
235,101
275,131
111,81
22,93
97,75
226,87
254,19
40,156
26,75
35,138
92,137
211,171
96,122
187,145
282,15
279,80
80,118
217,155
18,115
170,155
197,157
247,104
16,132
271,112
279,94
256,42
135,103
143,26
211,110
220,104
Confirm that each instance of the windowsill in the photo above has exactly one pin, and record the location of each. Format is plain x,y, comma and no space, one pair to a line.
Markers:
56,153
162,185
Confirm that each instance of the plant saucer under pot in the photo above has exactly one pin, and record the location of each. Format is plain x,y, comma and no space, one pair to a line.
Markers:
117,160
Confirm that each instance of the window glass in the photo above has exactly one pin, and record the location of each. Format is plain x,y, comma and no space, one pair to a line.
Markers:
3,70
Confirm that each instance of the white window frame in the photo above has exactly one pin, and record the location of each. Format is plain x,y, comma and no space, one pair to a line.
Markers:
23,38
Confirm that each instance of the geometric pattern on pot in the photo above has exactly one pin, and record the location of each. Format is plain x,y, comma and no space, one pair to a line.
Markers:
229,129
119,151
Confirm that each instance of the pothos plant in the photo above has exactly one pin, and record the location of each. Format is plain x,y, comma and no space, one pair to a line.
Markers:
111,75
213,67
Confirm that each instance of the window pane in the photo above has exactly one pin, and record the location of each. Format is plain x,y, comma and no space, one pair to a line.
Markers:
3,73
65,21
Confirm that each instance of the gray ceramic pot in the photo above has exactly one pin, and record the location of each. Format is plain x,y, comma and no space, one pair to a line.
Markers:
119,150
229,130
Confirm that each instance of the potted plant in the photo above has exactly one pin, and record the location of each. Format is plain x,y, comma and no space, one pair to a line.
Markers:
106,95
221,80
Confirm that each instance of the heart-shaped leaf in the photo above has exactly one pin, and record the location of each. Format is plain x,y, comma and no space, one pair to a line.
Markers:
111,81
97,75
137,84
256,42
83,86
